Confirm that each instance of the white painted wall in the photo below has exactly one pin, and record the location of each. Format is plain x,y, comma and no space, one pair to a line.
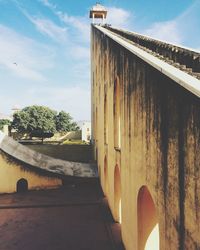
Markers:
85,127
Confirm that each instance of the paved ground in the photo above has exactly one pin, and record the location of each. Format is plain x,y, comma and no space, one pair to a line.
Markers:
75,217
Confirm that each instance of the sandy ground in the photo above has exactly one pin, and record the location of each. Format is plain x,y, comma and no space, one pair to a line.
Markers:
75,217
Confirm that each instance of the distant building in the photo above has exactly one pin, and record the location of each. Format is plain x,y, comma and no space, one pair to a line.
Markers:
5,117
5,129
15,109
85,127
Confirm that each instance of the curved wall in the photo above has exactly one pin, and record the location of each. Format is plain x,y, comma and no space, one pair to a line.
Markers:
11,172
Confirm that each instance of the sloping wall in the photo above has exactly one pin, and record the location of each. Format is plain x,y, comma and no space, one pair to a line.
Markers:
148,127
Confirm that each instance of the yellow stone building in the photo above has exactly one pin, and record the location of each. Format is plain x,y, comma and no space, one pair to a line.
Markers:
146,137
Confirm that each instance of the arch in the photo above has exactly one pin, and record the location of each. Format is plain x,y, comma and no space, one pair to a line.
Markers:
22,185
105,175
117,193
148,227
116,98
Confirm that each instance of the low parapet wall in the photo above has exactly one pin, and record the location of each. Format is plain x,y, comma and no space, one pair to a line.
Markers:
44,162
18,161
13,172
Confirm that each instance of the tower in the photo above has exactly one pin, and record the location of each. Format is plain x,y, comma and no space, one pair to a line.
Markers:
98,11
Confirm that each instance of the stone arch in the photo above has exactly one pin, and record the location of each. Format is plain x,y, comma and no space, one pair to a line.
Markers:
116,113
22,185
148,227
117,193
105,174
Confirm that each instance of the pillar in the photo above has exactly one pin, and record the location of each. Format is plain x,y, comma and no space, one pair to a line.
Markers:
93,18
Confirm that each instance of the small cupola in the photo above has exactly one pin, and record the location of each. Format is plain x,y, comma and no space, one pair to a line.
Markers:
98,11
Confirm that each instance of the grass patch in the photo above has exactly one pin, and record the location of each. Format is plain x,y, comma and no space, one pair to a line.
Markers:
74,142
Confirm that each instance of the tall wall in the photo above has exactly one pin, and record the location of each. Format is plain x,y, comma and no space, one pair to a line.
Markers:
146,135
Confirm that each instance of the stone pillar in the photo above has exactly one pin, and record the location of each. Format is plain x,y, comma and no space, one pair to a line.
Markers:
103,19
93,18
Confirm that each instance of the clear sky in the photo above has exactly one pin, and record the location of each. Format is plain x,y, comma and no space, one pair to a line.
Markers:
45,46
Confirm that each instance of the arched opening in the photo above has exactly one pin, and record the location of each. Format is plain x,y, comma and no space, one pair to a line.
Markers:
22,185
105,175
148,227
117,193
117,130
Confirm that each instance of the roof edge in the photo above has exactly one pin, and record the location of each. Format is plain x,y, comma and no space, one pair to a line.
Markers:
183,79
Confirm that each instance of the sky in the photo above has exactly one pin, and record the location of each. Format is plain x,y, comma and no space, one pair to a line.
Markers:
45,46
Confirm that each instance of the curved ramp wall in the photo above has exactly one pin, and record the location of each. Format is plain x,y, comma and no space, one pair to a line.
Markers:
41,171
11,172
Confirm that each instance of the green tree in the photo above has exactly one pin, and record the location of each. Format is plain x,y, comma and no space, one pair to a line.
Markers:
4,122
64,122
37,121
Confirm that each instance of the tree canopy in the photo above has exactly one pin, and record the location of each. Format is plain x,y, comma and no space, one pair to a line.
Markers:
64,122
40,121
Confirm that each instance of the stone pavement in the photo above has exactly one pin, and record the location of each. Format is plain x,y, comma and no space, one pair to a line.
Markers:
74,217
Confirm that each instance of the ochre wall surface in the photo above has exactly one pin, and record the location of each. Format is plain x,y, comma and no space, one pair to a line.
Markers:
11,172
157,152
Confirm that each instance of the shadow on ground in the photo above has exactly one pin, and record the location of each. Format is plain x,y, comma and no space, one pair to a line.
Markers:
74,217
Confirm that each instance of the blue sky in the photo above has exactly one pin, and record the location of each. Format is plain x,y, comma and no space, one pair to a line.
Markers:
50,42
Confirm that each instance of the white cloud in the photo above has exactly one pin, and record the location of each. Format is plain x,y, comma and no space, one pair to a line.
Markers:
50,29
75,100
184,29
31,57
81,24
166,31
48,4
25,72
118,17
73,33
78,52
77,28
46,26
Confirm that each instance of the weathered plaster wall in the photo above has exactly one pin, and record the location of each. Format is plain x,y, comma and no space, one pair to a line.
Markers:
41,171
159,148
11,172
44,162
